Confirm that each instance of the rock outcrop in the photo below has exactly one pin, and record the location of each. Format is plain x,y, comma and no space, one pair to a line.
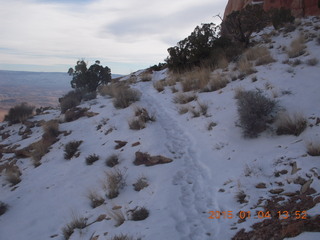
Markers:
299,8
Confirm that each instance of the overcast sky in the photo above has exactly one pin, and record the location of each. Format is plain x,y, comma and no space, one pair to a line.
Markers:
126,35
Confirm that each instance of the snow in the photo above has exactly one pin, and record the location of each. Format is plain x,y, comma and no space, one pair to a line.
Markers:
180,194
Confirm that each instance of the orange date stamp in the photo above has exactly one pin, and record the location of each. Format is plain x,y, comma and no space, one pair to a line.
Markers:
258,215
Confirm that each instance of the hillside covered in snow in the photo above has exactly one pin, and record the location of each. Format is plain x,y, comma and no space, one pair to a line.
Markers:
158,155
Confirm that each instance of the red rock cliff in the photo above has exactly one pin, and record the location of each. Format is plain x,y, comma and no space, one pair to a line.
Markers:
299,8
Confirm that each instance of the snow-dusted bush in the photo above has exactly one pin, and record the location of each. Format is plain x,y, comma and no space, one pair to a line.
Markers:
112,160
183,98
297,47
70,100
71,148
139,214
95,199
3,208
136,124
293,124
255,111
140,184
313,148
91,159
13,175
19,113
312,61
76,223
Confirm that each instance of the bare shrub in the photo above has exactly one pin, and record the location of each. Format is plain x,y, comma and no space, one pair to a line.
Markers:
118,216
40,149
95,199
255,111
313,148
71,149
140,184
3,208
13,175
70,100
182,98
76,223
19,113
125,97
112,161
297,47
144,115
139,214
291,124
312,61
91,159
114,183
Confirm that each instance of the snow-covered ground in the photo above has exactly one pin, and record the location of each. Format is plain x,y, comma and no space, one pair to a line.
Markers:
209,168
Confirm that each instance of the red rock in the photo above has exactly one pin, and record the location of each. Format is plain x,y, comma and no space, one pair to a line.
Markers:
299,8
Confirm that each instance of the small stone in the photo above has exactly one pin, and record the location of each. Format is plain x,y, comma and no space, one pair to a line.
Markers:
261,185
135,144
276,191
120,144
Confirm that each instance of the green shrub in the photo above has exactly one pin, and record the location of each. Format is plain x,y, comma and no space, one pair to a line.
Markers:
255,111
19,113
280,17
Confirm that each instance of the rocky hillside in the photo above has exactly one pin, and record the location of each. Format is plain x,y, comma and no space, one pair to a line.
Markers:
225,153
298,8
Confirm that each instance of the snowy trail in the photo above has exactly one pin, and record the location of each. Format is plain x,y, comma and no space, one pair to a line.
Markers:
195,196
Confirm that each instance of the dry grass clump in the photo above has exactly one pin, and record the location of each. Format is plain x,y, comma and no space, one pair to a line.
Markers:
259,54
91,159
123,95
51,129
76,223
112,160
245,66
146,77
312,61
293,124
313,148
141,118
183,98
183,109
297,47
71,149
216,82
3,208
13,175
140,184
70,100
114,183
159,85
121,237
222,62
95,199
118,216
196,79
40,149
136,124
139,214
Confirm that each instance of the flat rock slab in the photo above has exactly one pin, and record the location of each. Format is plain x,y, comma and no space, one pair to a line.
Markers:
146,159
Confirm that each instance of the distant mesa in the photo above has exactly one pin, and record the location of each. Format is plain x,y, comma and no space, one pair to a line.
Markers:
299,8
